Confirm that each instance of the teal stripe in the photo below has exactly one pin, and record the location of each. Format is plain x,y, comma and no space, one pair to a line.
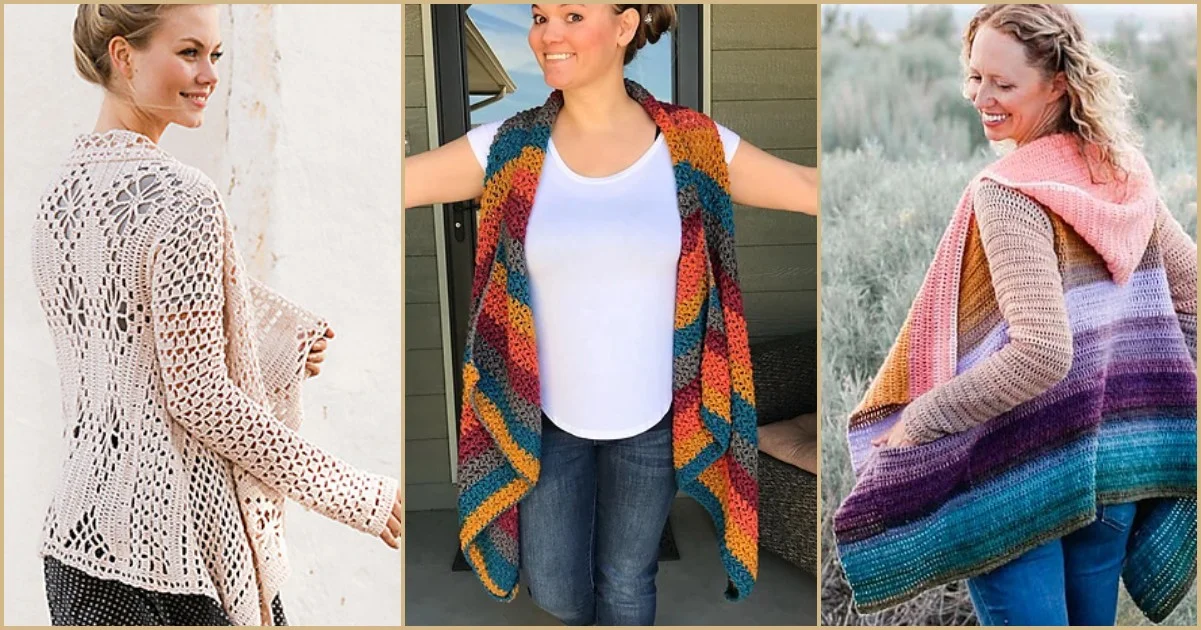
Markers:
1140,456
980,526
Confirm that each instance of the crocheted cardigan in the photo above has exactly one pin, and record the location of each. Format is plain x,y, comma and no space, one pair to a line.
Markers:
180,379
713,402
1121,426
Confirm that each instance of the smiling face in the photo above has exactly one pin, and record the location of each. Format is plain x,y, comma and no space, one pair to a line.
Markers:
1016,100
576,43
174,75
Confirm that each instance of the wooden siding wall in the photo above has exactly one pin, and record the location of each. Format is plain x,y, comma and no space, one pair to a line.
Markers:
764,87
427,459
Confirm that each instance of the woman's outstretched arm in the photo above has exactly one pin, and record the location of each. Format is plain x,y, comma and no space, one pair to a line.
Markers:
760,179
443,175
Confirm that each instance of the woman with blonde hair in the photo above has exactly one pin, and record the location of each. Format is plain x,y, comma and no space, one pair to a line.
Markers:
1033,429
606,235
180,374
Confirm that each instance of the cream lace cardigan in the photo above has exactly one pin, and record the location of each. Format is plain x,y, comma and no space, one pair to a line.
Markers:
180,382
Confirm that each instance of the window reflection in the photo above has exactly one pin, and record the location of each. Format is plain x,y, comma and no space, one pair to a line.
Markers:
503,77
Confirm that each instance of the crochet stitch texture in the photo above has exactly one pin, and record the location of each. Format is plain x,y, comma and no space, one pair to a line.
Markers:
180,379
1120,426
713,425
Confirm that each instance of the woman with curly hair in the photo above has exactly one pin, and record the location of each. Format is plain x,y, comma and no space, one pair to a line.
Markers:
1033,428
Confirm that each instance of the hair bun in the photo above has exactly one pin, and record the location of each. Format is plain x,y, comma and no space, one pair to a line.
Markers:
662,19
97,24
653,21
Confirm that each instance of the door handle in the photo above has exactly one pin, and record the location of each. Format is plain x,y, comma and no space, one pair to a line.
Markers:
461,213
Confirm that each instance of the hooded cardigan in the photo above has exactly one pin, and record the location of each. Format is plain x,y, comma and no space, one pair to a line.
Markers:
180,380
713,401
1118,424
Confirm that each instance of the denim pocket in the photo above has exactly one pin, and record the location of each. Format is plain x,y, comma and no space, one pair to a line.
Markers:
1118,517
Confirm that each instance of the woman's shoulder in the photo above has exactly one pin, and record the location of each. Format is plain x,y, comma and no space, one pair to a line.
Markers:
182,193
993,201
140,160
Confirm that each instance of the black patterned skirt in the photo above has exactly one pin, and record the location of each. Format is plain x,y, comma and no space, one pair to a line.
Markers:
78,599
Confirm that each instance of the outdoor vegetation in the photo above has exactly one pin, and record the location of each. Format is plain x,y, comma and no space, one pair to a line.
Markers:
899,144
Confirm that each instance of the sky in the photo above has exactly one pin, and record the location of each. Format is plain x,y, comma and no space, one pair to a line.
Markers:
1098,19
505,27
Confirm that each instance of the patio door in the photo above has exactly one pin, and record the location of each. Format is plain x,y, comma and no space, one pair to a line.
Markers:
484,71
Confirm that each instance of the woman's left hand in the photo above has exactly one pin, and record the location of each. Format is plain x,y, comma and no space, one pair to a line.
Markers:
894,437
312,363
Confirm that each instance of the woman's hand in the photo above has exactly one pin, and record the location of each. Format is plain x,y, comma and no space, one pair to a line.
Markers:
391,534
446,174
760,179
895,436
312,363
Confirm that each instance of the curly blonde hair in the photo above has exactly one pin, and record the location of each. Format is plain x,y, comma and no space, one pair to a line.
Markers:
1099,103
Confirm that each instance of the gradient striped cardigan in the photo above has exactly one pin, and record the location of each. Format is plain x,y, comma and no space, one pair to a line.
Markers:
1120,427
713,425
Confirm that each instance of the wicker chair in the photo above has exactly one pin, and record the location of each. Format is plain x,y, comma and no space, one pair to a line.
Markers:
785,387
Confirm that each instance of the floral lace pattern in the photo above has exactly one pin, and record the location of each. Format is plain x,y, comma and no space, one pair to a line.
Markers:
180,380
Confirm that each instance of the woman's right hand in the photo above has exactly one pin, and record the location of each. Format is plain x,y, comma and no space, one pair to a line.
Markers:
443,175
391,533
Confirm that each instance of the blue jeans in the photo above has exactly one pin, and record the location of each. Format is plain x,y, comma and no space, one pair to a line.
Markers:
1068,581
590,528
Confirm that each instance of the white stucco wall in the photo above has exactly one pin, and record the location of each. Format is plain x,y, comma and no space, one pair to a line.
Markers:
304,137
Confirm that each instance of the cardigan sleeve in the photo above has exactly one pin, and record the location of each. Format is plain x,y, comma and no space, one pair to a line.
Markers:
1019,243
1180,262
188,309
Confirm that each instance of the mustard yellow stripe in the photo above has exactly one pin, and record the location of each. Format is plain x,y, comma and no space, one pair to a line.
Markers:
744,383
481,569
521,335
500,276
521,317
714,480
741,545
688,448
471,376
717,401
492,418
490,509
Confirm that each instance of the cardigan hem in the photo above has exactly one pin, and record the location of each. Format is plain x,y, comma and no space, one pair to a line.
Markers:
49,549
1076,522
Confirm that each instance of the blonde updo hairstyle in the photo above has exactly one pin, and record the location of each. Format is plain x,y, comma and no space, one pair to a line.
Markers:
97,24
662,19
1098,110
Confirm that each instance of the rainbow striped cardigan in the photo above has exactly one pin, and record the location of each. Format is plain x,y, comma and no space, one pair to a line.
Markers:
1120,427
714,426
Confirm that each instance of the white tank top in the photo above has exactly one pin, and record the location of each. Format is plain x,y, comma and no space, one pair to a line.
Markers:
601,254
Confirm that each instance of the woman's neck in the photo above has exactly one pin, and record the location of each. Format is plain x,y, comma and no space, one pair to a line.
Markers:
599,106
1047,125
116,113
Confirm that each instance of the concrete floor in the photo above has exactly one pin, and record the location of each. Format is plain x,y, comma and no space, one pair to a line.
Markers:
690,589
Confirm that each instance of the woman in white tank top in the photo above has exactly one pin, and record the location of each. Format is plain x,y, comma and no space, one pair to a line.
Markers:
604,222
